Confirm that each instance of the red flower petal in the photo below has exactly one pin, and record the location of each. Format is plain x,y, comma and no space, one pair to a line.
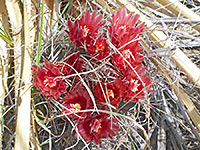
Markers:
82,31
75,101
48,78
114,92
123,25
73,61
135,88
47,82
96,127
129,53
124,34
99,48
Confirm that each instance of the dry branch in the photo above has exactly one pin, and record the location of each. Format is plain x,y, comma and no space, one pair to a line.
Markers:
51,10
4,62
15,19
3,76
25,35
178,8
23,106
181,60
22,35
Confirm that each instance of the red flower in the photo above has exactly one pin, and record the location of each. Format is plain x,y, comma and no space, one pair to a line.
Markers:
135,88
85,29
129,52
124,34
123,25
48,78
47,82
114,92
99,48
75,101
73,61
96,127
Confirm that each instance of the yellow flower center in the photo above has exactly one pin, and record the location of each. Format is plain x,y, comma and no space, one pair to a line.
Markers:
96,126
74,107
85,30
126,54
123,27
99,48
111,94
49,83
135,86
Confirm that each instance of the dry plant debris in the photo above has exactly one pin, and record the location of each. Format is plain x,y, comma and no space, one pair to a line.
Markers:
112,74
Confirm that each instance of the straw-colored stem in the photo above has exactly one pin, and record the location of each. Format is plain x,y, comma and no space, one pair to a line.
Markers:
4,61
2,95
15,19
3,77
51,8
22,68
35,144
23,106
180,59
178,8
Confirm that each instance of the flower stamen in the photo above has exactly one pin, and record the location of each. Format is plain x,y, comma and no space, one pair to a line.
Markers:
96,126
135,86
111,93
123,27
74,107
49,83
85,30
99,48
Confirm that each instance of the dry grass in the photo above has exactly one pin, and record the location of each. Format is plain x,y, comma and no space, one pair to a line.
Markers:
168,119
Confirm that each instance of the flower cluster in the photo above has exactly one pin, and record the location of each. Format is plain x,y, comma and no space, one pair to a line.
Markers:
123,80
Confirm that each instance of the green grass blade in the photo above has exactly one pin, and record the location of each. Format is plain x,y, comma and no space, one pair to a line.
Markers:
40,36
44,143
5,39
21,5
66,7
133,145
6,36
40,123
